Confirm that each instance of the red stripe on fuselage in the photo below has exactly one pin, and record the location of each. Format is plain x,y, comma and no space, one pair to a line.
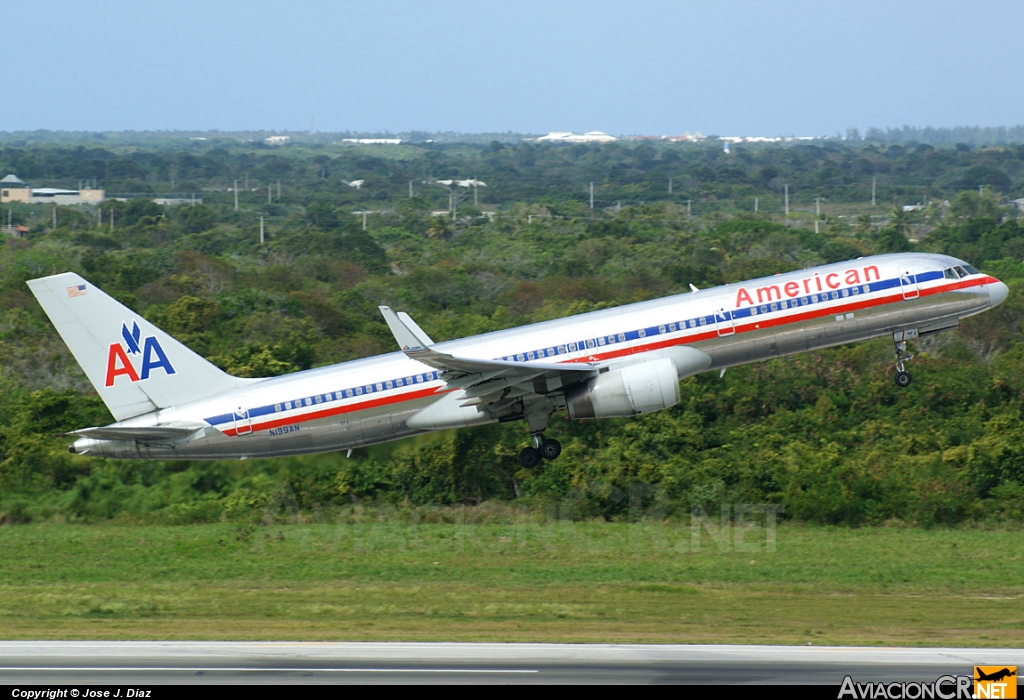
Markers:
341,410
647,347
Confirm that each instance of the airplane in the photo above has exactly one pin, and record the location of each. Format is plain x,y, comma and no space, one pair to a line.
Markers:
170,403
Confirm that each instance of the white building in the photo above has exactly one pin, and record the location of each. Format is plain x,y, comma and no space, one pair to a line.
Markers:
570,137
13,189
376,141
277,140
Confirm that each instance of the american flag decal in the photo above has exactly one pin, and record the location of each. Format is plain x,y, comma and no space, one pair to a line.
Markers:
76,290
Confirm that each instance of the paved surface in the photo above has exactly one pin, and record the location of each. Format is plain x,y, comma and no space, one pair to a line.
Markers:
148,663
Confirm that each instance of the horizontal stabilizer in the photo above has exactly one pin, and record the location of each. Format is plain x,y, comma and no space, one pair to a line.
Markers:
138,434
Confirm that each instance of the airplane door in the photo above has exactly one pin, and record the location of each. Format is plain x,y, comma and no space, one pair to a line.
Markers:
908,283
243,422
724,323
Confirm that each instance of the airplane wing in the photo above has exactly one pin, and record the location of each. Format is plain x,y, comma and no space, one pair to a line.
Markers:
138,434
485,381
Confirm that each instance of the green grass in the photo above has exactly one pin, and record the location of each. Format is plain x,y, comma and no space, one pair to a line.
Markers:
583,582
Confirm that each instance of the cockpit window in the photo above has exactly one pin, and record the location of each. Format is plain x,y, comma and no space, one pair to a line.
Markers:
961,271
971,270
950,274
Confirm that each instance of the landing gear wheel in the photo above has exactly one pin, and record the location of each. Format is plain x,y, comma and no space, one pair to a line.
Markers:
903,379
529,457
550,449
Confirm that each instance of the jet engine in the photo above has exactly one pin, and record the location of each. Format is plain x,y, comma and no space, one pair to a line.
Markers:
628,391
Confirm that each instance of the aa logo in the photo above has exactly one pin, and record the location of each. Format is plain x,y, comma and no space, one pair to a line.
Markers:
995,682
120,364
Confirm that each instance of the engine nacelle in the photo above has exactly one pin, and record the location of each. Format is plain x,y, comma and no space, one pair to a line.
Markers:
629,391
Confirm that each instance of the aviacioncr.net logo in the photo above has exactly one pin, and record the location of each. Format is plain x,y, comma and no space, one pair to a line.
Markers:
120,356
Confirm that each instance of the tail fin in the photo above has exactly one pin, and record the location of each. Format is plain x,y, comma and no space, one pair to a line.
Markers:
135,366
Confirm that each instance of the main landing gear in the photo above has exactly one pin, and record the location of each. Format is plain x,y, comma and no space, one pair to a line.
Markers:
530,457
900,340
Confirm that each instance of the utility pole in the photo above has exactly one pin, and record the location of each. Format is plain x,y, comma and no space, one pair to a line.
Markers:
474,192
261,229
279,189
817,206
55,216
269,193
874,179
111,219
246,180
688,206
364,219
99,218
755,203
591,194
980,193
236,195
410,189
787,199
670,185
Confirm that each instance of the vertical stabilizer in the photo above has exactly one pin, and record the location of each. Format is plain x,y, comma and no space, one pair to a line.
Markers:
135,366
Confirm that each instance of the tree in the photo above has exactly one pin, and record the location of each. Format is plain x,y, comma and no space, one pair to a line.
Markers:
899,221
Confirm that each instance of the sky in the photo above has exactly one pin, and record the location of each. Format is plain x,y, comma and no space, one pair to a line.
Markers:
726,67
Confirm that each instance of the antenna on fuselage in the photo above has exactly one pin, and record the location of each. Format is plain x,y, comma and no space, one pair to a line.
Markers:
693,288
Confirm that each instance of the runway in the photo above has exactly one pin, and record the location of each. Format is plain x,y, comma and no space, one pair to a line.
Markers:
152,663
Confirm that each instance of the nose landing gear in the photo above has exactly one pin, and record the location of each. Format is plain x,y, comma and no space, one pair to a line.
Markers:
530,457
900,340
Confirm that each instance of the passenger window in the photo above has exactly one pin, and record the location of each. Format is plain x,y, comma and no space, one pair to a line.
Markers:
277,408
671,327
753,311
835,295
319,399
309,402
521,357
287,405
703,321
855,290
551,352
590,343
845,292
359,391
661,329
600,341
775,307
389,385
814,298
572,347
561,349
763,309
866,289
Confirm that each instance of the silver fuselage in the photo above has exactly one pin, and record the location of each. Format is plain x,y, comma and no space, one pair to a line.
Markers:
368,401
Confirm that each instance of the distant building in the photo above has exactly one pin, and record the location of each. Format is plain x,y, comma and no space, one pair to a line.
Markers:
570,137
685,136
377,141
277,140
14,189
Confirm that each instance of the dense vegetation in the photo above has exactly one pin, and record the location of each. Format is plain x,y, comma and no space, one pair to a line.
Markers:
825,434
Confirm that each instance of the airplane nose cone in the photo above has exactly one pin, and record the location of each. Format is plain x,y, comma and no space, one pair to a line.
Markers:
997,292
